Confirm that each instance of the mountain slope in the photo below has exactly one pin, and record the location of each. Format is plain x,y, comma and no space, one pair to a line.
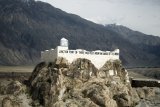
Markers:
148,43
28,27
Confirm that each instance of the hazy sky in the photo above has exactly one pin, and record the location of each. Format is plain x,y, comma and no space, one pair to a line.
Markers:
140,15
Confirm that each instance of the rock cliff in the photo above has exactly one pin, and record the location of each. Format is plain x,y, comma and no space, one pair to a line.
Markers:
79,84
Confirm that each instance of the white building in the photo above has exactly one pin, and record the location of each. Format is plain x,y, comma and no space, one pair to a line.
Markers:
98,57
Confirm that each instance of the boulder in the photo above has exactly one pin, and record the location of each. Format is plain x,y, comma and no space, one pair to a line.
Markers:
114,68
145,92
8,102
61,62
83,69
14,88
123,100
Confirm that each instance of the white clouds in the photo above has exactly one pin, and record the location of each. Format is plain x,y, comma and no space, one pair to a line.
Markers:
141,15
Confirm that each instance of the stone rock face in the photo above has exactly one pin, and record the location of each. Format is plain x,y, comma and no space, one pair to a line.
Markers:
8,102
14,94
83,69
145,92
81,84
114,68
15,87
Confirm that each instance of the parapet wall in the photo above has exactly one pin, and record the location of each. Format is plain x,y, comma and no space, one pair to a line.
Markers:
98,58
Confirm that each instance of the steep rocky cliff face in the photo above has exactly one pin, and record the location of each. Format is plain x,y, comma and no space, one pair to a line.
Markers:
79,84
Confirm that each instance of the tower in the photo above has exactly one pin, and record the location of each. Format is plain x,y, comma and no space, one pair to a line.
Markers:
64,42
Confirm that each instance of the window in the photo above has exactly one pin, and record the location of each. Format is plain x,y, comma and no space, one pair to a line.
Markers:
66,51
91,53
116,53
105,53
71,51
81,52
86,52
97,53
61,51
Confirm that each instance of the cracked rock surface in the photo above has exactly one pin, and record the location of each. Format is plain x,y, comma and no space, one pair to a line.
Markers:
79,84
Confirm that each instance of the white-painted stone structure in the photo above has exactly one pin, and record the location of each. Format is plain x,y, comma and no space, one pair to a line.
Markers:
98,57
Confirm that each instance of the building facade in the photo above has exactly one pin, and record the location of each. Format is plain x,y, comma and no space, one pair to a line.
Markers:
98,57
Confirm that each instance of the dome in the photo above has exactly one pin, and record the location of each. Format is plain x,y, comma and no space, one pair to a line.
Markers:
64,42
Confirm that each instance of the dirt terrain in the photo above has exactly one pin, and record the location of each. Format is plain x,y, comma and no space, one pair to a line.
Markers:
16,68
144,73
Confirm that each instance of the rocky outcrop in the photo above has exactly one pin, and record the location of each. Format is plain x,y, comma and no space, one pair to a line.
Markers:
8,102
114,68
14,94
79,84
59,84
145,92
12,88
15,87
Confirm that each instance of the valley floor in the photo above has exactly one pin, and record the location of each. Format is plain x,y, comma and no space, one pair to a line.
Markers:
16,68
143,73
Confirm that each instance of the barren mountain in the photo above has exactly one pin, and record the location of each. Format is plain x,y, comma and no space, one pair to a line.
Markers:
28,27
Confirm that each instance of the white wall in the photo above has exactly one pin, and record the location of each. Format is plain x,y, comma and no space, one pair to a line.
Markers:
49,55
97,60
